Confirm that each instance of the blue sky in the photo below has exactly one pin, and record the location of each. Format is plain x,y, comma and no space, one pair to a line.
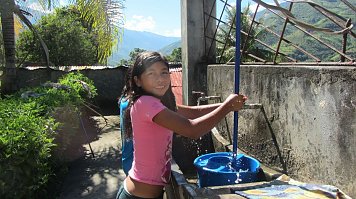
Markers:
158,16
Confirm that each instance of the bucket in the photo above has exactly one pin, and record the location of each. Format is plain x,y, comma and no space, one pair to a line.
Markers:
216,169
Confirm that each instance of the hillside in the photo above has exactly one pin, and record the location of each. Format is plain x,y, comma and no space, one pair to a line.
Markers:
308,14
144,40
167,50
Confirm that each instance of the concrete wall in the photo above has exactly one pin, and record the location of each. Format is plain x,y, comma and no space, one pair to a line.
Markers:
196,54
312,111
108,81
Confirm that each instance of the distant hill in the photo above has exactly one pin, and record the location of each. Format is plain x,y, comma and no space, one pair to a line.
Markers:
144,40
308,14
167,50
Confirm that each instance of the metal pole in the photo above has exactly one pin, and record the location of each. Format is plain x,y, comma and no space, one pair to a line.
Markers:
237,70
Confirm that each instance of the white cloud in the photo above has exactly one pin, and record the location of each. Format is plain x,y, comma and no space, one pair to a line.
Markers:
141,23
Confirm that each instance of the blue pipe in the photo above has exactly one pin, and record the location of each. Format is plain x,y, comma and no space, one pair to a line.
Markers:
237,72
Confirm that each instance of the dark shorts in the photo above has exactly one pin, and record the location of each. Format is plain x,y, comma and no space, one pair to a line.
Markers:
123,194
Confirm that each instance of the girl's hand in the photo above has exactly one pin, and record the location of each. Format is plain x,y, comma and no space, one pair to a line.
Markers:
236,101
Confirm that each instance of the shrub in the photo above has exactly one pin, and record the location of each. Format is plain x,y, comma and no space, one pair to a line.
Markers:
25,145
27,133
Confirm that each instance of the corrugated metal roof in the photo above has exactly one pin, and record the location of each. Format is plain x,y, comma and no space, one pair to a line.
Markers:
176,81
70,68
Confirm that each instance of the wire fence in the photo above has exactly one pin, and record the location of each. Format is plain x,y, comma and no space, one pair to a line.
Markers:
294,31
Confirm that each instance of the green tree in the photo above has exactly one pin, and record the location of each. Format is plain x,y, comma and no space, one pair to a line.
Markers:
68,41
133,54
103,16
176,55
123,62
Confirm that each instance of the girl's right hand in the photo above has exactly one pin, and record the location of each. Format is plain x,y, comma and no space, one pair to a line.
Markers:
236,101
198,126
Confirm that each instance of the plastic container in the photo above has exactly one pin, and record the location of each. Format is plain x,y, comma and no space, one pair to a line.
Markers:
217,169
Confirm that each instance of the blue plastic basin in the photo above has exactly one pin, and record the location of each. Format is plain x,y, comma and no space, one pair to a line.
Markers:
216,169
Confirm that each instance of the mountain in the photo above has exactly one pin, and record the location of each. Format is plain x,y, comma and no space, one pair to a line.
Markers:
145,40
266,14
308,14
167,50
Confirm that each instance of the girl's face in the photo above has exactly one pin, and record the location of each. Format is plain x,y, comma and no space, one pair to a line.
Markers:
155,80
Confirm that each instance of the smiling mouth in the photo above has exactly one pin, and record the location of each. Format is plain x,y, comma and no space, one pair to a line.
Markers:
159,87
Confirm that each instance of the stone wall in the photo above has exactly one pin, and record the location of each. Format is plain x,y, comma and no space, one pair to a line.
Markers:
312,112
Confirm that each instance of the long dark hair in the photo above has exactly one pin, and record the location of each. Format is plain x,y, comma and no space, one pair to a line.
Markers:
142,62
125,89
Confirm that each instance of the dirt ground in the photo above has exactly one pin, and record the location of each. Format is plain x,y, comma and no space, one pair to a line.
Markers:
99,176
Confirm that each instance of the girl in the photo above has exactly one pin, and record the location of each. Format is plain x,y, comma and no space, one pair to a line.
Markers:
151,125
126,142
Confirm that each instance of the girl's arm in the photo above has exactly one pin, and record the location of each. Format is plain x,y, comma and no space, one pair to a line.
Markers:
195,128
193,112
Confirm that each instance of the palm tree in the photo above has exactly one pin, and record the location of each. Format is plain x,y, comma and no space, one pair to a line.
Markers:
103,16
8,31
2,59
227,36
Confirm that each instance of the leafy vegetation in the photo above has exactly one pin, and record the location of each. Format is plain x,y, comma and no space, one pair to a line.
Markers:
28,132
309,15
133,55
68,38
25,142
102,17
176,55
226,37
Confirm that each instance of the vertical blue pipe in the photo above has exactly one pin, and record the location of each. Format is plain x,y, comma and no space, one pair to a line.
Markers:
237,71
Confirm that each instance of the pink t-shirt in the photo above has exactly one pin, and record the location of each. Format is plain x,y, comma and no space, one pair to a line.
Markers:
152,143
